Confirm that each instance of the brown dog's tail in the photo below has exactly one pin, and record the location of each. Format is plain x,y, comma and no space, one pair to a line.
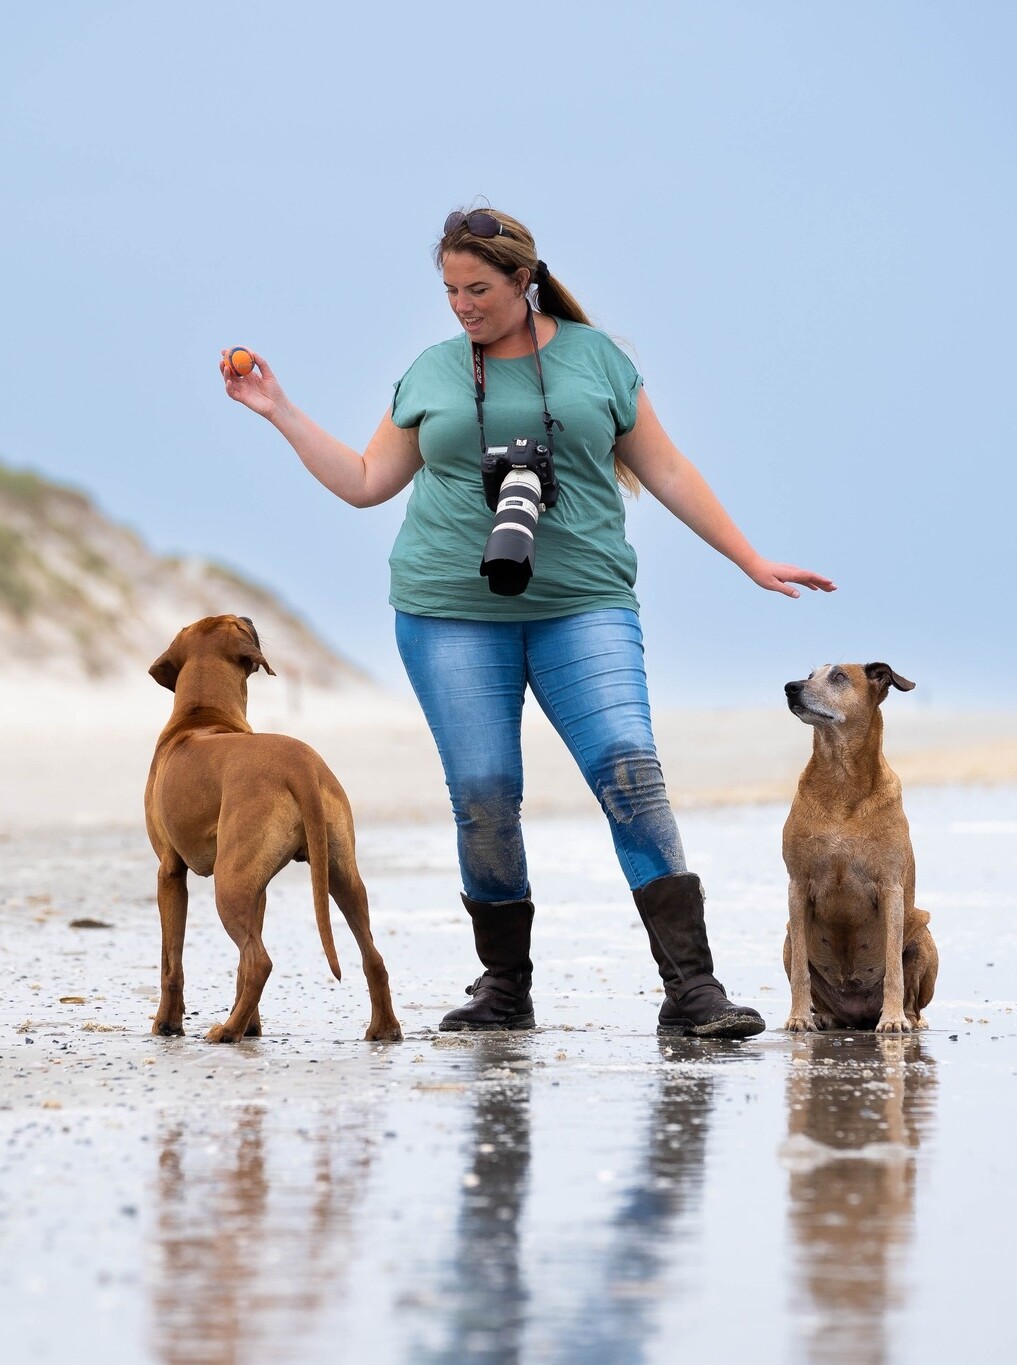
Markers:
316,834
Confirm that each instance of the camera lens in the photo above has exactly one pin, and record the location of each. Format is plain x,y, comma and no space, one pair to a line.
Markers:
508,555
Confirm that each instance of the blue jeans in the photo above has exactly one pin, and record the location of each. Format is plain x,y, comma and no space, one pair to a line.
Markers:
586,672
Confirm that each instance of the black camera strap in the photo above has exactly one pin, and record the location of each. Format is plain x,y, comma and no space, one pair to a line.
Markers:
479,383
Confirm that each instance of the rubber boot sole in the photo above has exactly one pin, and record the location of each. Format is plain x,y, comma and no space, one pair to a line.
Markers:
727,1026
513,1024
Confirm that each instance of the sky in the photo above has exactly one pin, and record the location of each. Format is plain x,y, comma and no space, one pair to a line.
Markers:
798,216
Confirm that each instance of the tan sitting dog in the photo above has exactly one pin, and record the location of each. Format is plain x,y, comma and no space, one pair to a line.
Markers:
857,953
221,799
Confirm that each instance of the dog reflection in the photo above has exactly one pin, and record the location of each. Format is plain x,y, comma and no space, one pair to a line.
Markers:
246,1260
858,1108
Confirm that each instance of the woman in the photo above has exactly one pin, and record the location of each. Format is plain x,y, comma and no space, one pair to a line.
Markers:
540,371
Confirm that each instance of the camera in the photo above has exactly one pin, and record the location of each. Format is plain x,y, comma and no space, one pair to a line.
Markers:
519,484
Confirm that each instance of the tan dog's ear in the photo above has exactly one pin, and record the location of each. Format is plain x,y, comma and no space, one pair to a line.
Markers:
165,671
884,677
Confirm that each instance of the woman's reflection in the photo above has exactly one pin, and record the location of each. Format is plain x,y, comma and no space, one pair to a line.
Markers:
658,1213
858,1108
484,1297
486,1300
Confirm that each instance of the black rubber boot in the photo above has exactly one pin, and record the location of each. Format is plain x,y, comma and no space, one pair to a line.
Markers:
671,908
501,997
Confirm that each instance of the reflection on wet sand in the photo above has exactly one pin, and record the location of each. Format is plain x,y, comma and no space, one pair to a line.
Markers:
858,1108
247,1249
490,1303
484,1293
654,1231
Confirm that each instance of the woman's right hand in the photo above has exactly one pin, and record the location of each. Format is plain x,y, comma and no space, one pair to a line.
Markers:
260,390
388,464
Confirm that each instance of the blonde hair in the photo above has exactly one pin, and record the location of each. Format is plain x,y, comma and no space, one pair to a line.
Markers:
518,251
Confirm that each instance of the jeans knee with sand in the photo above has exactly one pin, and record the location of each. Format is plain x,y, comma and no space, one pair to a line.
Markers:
587,675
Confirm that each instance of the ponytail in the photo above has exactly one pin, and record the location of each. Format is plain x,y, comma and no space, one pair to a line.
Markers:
553,298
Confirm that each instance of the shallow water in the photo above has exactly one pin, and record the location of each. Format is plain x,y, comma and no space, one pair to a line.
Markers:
587,1192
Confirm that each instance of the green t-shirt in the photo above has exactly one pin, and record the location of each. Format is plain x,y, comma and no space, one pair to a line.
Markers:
583,561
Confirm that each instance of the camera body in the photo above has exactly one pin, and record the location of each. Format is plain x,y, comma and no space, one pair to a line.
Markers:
525,452
519,484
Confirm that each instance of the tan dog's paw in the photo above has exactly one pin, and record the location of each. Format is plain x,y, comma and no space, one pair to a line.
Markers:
893,1024
798,1023
162,1028
389,1032
219,1033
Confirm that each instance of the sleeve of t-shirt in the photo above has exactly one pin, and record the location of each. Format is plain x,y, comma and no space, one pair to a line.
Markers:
407,407
625,381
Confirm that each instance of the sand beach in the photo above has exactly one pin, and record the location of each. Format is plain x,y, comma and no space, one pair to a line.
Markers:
586,1192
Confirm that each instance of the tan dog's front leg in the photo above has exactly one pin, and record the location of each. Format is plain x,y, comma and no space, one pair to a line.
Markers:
796,962
172,892
892,1018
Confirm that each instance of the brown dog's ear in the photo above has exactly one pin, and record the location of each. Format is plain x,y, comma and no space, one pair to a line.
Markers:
165,671
251,656
253,659
884,676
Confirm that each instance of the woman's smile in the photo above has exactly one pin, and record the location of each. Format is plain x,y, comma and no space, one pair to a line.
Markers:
489,305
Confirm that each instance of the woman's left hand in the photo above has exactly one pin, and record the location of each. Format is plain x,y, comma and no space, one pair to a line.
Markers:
780,577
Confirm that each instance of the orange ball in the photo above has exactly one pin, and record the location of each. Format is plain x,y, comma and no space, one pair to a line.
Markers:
240,360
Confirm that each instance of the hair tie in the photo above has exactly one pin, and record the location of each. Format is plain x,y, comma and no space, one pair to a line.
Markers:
542,272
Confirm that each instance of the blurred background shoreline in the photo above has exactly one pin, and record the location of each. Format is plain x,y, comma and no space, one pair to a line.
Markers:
79,752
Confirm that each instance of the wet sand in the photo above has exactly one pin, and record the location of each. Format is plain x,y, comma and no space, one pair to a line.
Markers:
587,1192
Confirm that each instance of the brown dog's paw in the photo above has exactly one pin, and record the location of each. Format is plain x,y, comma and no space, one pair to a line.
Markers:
219,1033
389,1032
163,1029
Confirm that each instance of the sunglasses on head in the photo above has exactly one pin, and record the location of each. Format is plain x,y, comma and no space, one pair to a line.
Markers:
480,224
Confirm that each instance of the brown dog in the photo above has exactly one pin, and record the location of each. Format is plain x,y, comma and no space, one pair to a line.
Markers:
857,953
221,799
